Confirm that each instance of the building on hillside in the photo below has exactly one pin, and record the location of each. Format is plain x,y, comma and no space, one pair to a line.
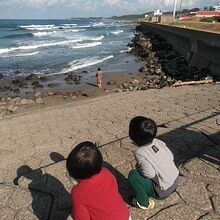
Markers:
207,14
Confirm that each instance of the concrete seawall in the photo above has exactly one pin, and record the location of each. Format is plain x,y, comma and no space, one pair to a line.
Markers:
201,49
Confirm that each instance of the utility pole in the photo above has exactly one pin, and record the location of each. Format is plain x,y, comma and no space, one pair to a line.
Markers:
174,9
181,1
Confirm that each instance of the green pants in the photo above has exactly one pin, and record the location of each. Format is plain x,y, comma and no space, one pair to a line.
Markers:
143,188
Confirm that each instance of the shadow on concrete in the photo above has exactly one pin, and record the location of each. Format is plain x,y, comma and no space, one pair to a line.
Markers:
186,142
50,198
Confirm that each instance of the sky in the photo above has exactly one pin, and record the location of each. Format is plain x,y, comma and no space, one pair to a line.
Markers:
36,9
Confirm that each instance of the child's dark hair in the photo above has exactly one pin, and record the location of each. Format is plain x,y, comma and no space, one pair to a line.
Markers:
84,161
142,130
99,69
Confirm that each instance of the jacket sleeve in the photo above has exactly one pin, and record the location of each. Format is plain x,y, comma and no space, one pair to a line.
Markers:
144,167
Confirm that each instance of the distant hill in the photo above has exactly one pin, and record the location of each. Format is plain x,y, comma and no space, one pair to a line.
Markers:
130,17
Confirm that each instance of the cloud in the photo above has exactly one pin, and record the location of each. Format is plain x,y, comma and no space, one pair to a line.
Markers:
65,8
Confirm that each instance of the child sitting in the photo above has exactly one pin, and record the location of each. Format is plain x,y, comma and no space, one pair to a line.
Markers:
156,175
96,196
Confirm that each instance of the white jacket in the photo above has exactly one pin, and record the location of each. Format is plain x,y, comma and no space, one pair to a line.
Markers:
155,161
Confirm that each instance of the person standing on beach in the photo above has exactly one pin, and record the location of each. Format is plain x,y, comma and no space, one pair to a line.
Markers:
99,77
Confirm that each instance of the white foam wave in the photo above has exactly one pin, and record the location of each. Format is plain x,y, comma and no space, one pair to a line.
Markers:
69,25
84,26
42,34
37,27
31,47
94,44
98,24
117,32
94,38
21,55
82,63
125,51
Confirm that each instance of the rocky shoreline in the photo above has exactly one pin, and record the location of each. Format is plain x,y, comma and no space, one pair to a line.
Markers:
163,67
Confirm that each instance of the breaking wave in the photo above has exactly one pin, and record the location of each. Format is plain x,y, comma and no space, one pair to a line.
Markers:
82,63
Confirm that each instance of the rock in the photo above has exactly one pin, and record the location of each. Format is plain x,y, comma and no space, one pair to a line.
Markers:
53,85
118,90
24,102
12,108
39,100
38,94
36,85
16,90
84,71
124,85
50,93
32,77
143,69
43,78
1,76
134,82
4,88
30,101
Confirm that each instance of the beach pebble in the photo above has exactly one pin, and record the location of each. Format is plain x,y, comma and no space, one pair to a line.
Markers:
24,102
118,90
38,94
39,100
50,93
12,108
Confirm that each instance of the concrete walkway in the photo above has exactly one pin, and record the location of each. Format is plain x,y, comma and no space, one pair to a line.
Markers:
34,182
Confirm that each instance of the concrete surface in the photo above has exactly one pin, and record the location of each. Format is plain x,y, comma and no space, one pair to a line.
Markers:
34,183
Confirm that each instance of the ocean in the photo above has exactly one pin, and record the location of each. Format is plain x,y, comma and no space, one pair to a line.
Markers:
48,47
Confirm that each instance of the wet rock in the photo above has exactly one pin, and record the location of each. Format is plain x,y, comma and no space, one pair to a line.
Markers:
43,78
143,69
53,85
84,71
32,77
16,90
4,88
36,85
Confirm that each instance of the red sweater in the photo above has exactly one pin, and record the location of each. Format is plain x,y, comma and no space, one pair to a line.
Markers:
97,198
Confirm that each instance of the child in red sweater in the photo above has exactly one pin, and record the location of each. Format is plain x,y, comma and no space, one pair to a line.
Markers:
96,196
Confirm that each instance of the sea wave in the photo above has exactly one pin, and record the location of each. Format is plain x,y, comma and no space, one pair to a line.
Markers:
86,62
22,55
31,47
117,32
126,51
18,35
98,24
37,27
79,46
94,38
84,26
42,34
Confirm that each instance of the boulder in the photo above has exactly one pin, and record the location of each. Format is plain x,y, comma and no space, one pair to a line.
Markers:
32,77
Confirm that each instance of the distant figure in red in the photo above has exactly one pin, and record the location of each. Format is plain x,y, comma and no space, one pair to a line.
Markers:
99,77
